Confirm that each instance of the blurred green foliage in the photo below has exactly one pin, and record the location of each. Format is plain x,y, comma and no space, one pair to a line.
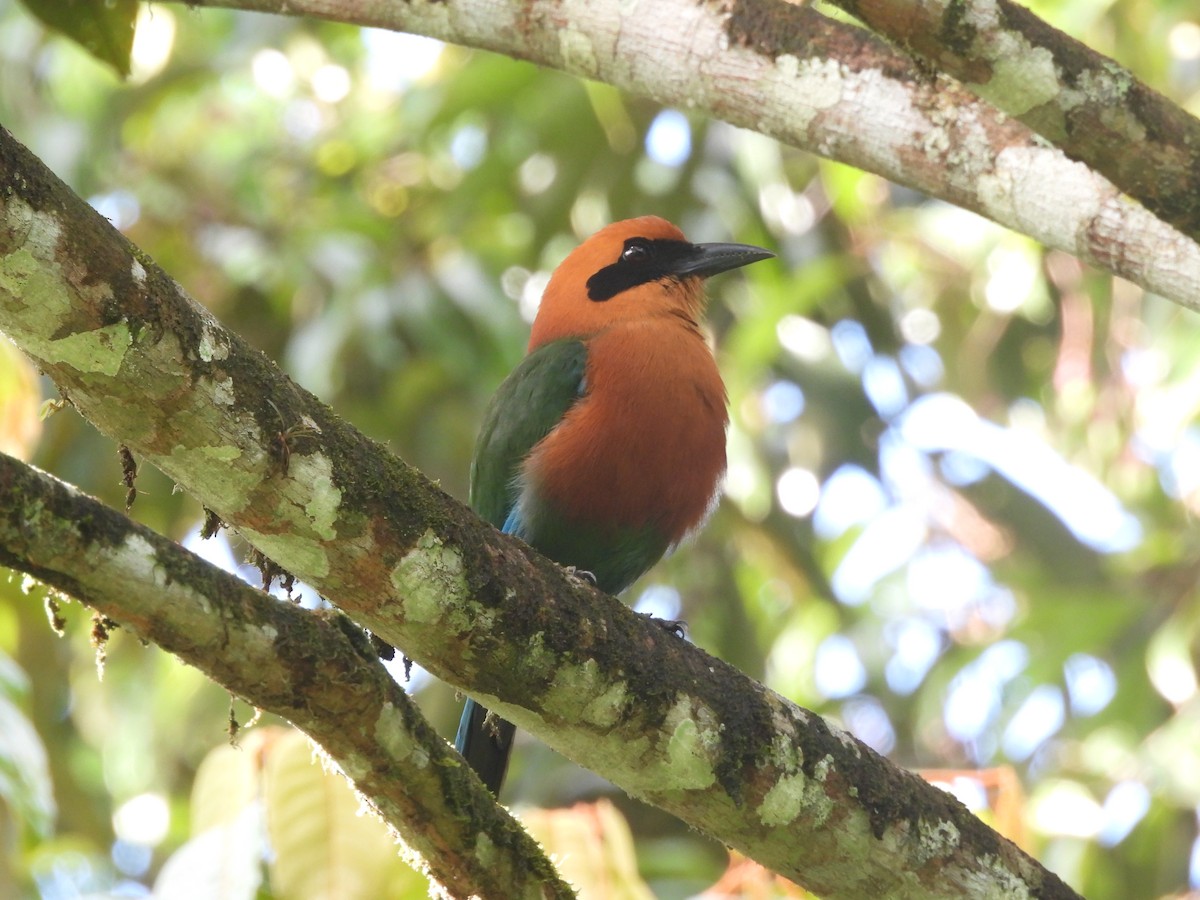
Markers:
958,517
103,29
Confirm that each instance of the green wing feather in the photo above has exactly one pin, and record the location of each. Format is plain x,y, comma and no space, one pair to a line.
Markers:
526,407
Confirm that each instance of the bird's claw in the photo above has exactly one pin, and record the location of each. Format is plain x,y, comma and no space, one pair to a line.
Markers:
582,575
677,627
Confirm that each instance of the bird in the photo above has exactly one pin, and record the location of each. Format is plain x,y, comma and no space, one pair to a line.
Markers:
605,447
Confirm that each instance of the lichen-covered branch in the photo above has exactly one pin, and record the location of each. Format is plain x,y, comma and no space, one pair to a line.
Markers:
827,87
316,670
654,714
1081,101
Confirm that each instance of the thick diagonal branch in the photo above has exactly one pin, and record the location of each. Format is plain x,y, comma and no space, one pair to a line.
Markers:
1084,103
316,670
655,715
823,86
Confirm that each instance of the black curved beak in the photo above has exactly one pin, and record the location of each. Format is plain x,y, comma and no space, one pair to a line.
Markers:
703,260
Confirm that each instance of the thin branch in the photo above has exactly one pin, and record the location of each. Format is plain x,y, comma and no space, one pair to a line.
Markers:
823,86
652,713
1094,110
316,670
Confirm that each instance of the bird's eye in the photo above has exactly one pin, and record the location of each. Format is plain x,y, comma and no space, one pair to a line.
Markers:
634,250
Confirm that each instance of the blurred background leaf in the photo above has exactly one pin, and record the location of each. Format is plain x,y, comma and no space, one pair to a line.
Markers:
25,784
963,477
20,402
593,848
103,29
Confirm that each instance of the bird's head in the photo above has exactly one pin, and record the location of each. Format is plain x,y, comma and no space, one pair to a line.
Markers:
636,269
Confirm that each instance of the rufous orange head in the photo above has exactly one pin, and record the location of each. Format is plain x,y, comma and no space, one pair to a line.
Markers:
640,268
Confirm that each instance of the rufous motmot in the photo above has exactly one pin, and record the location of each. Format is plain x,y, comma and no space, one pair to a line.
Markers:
606,445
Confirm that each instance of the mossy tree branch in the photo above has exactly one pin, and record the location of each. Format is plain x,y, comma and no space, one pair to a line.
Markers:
315,669
824,86
1084,103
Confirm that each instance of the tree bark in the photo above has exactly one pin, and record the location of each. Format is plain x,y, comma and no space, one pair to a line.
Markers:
652,713
1092,109
315,669
823,86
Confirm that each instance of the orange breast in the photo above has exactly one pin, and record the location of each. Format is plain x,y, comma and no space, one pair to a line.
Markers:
646,445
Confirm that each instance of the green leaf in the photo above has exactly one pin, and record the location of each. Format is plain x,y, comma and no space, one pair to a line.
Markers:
325,845
102,27
593,846
24,769
226,783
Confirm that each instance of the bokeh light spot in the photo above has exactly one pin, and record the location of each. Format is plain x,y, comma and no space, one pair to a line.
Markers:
837,669
669,138
798,491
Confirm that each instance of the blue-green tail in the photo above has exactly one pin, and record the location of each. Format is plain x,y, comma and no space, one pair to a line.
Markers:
485,743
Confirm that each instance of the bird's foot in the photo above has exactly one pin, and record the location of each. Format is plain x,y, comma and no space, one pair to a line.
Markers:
582,575
493,726
677,627
382,648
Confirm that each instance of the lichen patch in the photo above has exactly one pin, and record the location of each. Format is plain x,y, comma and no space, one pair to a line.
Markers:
938,838
793,797
580,691
691,748
431,580
223,394
1023,76
306,557
213,345
395,739
578,53
316,471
